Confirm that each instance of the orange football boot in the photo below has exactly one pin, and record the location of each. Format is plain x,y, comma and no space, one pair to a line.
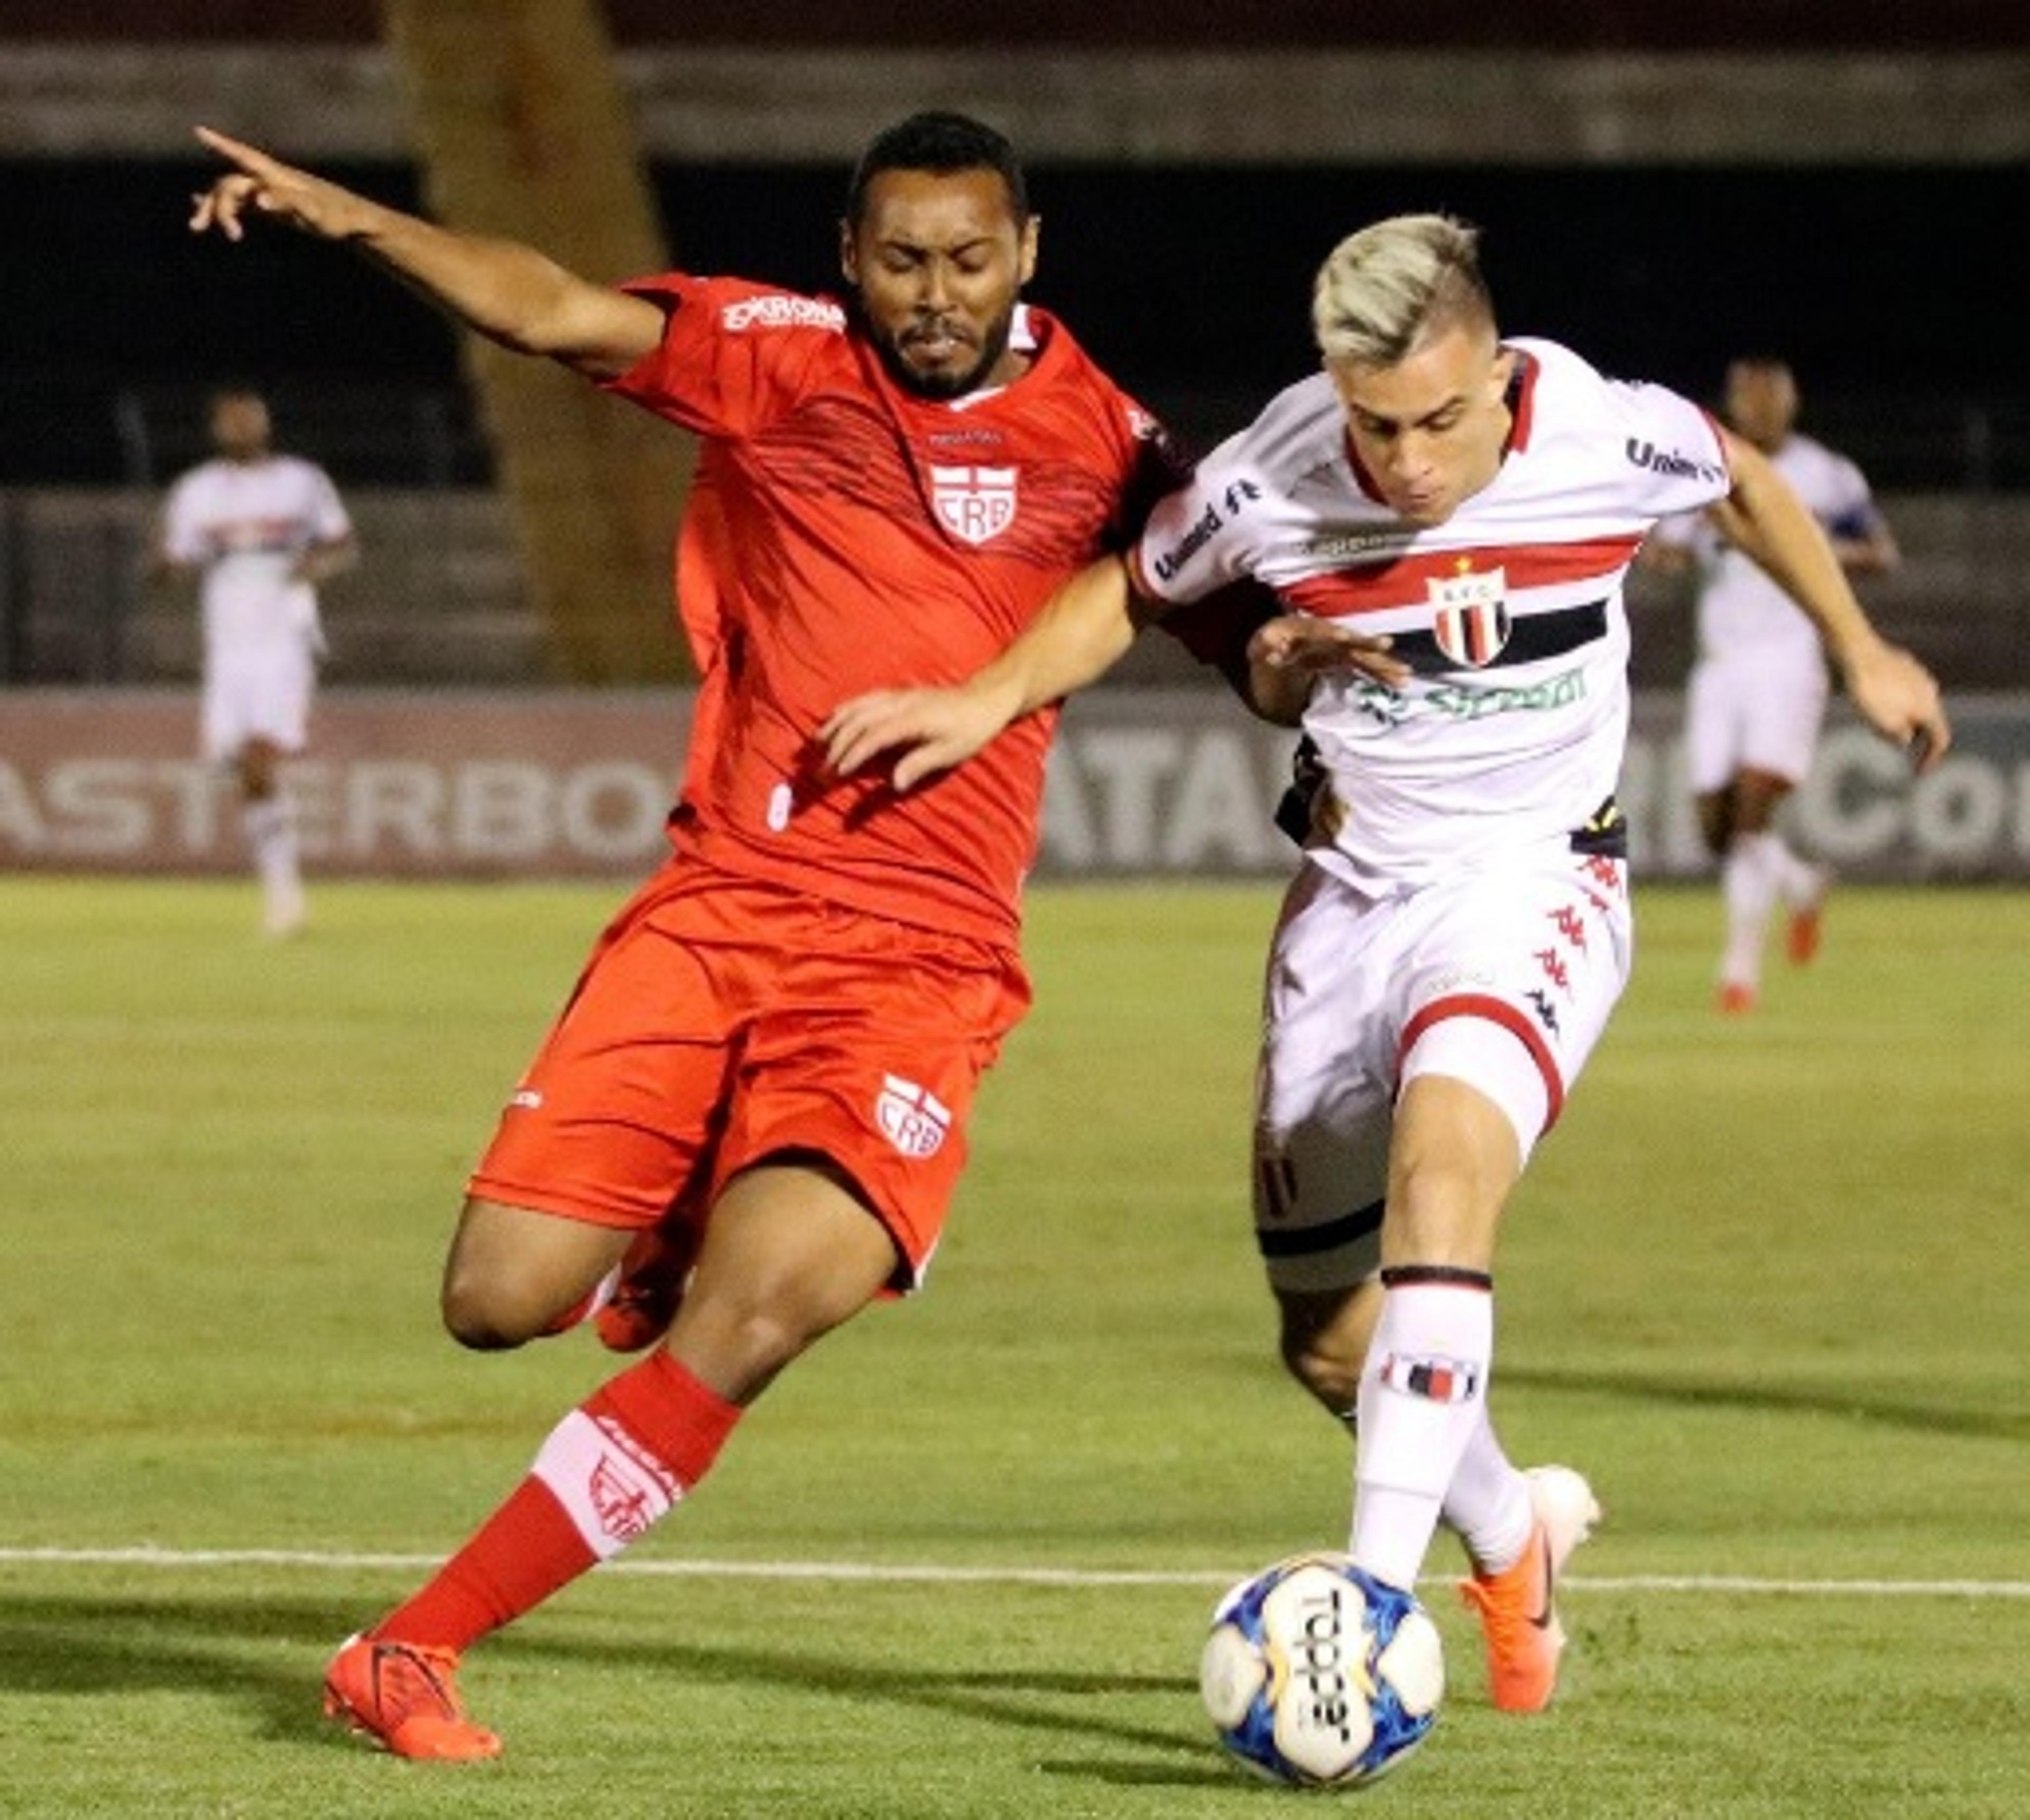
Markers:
404,1697
1517,1607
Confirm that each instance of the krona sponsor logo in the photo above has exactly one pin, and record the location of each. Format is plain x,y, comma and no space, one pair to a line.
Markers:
778,310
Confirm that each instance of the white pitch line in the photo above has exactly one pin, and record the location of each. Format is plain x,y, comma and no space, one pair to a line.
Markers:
866,1572
1837,1588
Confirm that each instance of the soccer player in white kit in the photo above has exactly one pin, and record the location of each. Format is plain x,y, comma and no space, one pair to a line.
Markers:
1756,696
1447,517
258,532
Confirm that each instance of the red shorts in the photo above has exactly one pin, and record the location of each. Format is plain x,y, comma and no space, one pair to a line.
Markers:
721,1021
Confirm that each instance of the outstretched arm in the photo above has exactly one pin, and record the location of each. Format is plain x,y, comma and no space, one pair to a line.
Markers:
1895,693
1084,629
507,292
1087,625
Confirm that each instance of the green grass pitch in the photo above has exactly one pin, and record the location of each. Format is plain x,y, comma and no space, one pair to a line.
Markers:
1768,1283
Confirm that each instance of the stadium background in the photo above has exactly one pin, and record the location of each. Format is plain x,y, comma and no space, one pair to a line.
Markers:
1661,186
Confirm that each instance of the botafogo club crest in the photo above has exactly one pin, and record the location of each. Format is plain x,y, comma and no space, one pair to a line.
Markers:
1470,620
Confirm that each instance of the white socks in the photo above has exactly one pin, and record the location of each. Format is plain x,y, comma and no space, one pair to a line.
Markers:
1748,879
1488,1502
1422,1398
1759,869
269,824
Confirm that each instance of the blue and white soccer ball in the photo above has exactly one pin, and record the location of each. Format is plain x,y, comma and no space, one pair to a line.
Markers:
1320,1675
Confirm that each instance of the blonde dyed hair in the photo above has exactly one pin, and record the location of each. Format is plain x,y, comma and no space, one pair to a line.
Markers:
1381,291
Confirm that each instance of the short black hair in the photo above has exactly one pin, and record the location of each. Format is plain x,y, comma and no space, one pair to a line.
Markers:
937,142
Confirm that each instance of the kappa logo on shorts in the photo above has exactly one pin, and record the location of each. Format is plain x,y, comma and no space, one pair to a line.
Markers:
1472,624
912,1119
974,504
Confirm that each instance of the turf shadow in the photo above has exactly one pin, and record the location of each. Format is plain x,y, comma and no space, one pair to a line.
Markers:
257,1654
1847,1404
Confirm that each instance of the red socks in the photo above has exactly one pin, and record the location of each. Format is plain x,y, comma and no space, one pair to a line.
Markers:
608,1471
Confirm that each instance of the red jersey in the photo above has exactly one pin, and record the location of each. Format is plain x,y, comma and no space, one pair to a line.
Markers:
844,535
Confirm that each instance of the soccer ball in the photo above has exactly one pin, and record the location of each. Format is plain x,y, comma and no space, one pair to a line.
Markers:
1318,1674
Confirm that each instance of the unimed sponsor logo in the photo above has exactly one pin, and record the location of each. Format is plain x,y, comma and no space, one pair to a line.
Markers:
1169,562
1645,454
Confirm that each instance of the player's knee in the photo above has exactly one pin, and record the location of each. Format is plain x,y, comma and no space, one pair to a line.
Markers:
478,1331
1715,818
1323,1340
748,1345
1328,1370
738,1337
480,1319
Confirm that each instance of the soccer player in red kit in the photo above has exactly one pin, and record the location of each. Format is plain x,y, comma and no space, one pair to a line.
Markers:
747,1123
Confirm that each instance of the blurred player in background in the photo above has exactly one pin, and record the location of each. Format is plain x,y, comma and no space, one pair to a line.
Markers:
1757,697
258,532
1447,518
747,1122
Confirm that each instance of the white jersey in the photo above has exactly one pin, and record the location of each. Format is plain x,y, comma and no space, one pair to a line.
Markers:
1511,731
246,525
1742,612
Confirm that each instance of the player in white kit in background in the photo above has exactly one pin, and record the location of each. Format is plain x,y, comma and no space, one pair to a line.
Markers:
1756,696
258,532
1446,519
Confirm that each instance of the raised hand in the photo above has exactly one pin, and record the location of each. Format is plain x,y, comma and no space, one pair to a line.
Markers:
262,185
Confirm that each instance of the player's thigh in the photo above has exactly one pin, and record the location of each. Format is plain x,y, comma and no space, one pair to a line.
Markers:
792,1249
224,723
1712,726
1323,1090
873,1060
1509,979
261,693
616,1120
509,1271
1784,710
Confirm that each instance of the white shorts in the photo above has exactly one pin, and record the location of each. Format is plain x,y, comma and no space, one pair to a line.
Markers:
1503,979
263,691
1753,710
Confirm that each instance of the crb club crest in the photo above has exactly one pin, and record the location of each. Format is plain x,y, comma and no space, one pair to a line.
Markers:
1471,623
974,504
912,1118
626,1491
